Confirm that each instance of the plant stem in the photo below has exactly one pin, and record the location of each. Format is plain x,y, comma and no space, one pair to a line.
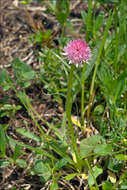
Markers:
91,171
97,62
68,113
82,96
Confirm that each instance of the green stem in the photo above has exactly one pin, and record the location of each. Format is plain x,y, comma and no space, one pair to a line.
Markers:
68,114
91,171
63,30
82,96
97,63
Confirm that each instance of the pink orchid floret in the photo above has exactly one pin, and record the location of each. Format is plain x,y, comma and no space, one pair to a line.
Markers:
77,52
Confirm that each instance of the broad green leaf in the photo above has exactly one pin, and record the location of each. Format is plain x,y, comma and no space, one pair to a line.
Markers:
21,163
42,169
28,75
5,80
4,163
23,73
88,145
28,134
59,164
3,141
96,172
103,149
70,176
114,164
121,157
8,106
107,185
99,109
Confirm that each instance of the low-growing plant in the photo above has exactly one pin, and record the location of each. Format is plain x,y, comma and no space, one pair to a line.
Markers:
65,152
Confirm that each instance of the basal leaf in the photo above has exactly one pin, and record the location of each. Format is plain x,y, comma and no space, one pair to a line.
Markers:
62,162
4,163
88,145
42,169
5,80
28,134
70,176
96,172
23,72
103,149
21,163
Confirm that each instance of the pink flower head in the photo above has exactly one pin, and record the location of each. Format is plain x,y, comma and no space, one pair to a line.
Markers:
77,51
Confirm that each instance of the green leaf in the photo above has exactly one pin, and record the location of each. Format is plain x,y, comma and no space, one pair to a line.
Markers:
28,134
28,75
21,163
107,185
109,1
35,149
42,169
119,85
5,80
114,164
23,73
123,185
96,172
99,21
84,16
93,188
112,88
59,164
8,107
23,97
121,157
3,141
70,176
88,145
4,163
103,149
17,152
62,11
54,185
99,109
